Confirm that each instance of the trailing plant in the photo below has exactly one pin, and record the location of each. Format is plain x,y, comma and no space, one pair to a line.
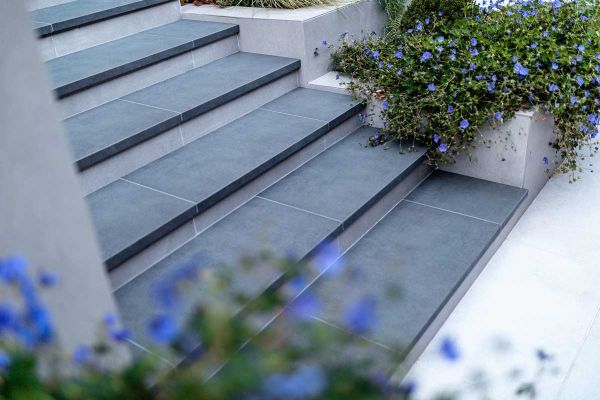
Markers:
288,4
445,11
441,83
394,8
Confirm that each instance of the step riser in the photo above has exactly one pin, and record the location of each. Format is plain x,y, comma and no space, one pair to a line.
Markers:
103,173
73,40
37,4
436,323
160,249
133,81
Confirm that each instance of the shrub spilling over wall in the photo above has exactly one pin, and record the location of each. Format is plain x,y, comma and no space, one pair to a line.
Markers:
442,81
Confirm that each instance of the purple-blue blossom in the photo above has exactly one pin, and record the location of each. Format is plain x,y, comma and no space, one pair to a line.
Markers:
360,317
436,138
580,81
449,349
464,124
443,147
163,328
450,108
473,42
431,87
426,56
520,70
553,87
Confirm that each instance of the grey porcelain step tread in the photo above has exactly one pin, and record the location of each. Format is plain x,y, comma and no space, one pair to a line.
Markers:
209,168
425,248
77,13
86,68
111,128
263,223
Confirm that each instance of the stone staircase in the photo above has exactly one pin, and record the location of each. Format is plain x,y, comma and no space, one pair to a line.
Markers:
187,148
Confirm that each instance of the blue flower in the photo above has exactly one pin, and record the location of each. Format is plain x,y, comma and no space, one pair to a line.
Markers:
520,70
593,119
399,72
573,100
464,124
399,54
360,317
375,54
39,325
553,87
491,86
472,67
324,43
419,26
385,105
439,48
431,87
47,278
545,160
410,30
440,39
327,258
453,57
120,335
426,56
449,349
474,52
7,317
4,361
427,21
13,268
498,115
541,354
304,307
306,382
579,58
443,147
450,108
556,4
163,328
545,34
82,355
436,138
473,42
580,47
580,81
534,45
554,65
407,389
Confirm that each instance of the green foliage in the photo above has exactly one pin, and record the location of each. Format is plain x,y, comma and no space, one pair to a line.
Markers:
445,11
290,4
444,82
394,8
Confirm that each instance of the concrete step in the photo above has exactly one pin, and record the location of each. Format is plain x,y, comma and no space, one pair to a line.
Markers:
431,246
146,205
316,203
67,27
94,76
118,137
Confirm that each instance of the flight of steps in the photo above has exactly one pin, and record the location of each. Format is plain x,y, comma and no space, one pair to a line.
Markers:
189,149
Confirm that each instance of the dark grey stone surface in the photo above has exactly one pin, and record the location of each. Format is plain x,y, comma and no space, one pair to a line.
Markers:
413,260
77,13
349,176
258,225
325,106
129,217
213,166
474,197
212,85
104,131
86,68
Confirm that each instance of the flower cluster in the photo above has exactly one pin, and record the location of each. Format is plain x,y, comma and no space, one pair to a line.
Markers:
444,82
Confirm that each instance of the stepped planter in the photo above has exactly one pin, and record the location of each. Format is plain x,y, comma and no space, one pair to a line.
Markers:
517,153
296,33
514,153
